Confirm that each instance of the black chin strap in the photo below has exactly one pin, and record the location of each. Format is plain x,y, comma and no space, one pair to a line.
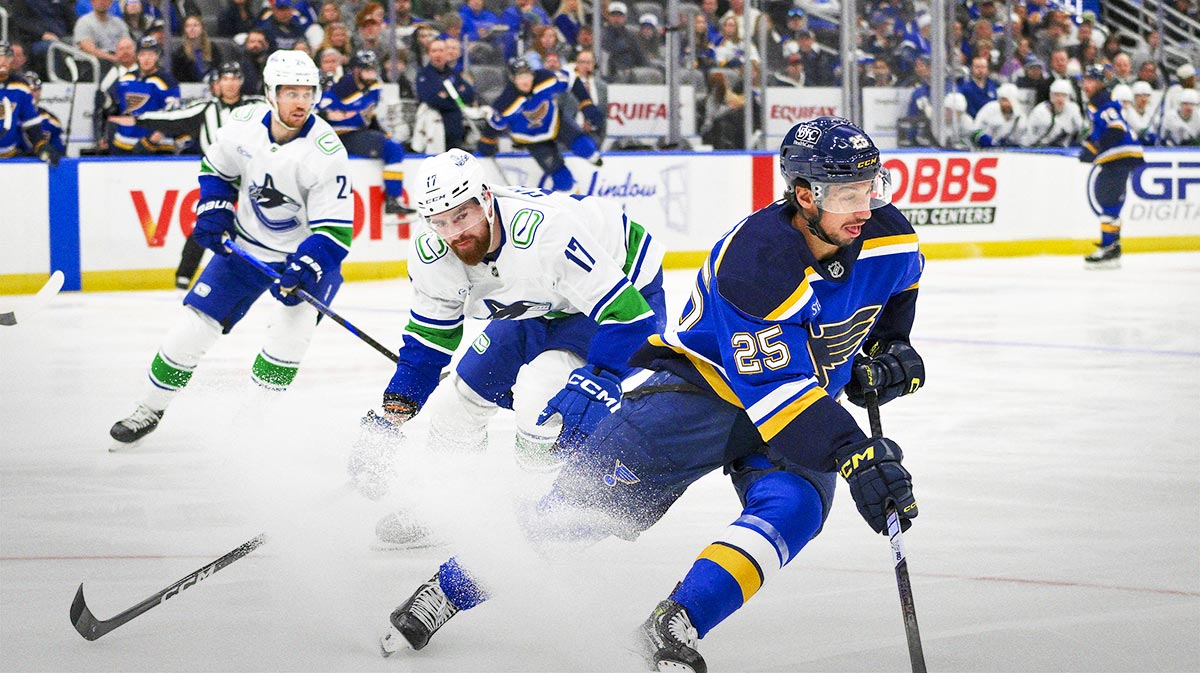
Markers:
816,230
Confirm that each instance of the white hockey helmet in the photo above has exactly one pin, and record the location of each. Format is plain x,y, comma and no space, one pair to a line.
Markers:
448,180
1189,96
956,101
1142,88
1122,93
1062,86
288,67
1008,91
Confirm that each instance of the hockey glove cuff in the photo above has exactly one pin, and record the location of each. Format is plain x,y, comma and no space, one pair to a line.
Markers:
398,409
591,394
897,371
877,481
214,221
315,257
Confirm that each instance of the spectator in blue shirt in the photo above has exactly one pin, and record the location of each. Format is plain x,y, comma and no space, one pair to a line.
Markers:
979,88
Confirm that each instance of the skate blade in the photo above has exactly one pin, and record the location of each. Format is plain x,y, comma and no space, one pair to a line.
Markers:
1103,266
392,642
121,447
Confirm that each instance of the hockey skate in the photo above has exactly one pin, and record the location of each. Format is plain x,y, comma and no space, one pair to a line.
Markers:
140,423
1105,257
418,618
668,640
394,206
400,531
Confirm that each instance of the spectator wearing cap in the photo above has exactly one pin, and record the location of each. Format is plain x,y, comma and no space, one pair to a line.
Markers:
819,65
521,17
283,26
649,40
618,43
792,74
797,21
881,41
1185,78
1033,77
236,19
97,32
432,91
195,55
147,89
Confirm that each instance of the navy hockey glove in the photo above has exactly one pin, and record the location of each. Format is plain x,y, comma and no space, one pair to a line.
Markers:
877,479
315,256
594,116
983,140
895,372
591,394
214,221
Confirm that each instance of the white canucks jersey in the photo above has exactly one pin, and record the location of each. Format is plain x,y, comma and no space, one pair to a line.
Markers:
285,192
1179,131
559,255
1138,121
1044,128
1004,130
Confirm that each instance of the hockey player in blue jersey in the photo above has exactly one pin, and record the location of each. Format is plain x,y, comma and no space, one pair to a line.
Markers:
19,117
748,383
1114,153
528,111
147,89
47,143
349,106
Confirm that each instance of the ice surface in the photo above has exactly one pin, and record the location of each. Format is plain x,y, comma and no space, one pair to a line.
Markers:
1053,452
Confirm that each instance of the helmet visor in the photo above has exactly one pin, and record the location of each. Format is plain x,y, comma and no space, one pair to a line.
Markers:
854,197
450,223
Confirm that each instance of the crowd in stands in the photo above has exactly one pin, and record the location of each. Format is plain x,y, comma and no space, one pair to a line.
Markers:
1014,83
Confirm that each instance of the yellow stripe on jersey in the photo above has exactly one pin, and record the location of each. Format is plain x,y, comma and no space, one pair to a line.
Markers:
775,424
545,85
886,241
352,97
725,246
912,287
798,299
516,105
738,565
710,374
393,175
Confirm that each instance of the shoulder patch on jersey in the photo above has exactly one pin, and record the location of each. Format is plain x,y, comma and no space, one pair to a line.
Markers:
244,113
524,225
329,143
430,247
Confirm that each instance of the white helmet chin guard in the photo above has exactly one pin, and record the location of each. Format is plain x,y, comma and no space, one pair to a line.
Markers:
447,181
290,68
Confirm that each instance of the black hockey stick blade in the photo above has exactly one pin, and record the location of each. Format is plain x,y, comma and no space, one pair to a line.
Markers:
91,628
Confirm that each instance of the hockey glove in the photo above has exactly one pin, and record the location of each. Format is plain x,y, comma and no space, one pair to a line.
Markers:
895,372
593,115
214,221
877,480
983,140
305,268
591,394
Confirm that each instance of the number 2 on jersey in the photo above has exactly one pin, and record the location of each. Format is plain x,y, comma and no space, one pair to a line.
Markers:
748,348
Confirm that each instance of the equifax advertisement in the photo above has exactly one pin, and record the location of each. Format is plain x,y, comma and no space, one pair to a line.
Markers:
641,110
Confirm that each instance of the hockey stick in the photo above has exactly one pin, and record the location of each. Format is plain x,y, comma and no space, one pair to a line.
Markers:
39,301
316,303
908,607
91,628
477,123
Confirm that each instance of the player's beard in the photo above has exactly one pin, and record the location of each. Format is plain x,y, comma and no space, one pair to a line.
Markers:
472,254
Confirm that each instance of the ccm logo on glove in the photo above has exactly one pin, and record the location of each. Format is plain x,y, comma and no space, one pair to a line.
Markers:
594,390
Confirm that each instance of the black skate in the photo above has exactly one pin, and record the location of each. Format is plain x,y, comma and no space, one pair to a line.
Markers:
418,618
669,640
394,206
1105,257
140,423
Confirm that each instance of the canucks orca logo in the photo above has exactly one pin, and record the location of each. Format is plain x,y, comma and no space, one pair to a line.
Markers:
276,210
538,114
830,346
514,310
621,475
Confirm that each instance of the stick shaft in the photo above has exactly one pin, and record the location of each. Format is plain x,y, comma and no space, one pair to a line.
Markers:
908,607
316,303
91,628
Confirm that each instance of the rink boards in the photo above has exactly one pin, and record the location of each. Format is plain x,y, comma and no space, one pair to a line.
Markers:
112,224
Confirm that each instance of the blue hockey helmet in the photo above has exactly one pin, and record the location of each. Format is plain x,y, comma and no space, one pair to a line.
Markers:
150,43
1096,71
365,59
34,82
829,151
519,65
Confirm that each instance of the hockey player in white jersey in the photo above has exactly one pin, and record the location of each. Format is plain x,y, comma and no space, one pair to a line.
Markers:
1054,122
1181,126
289,176
571,287
1138,113
1000,123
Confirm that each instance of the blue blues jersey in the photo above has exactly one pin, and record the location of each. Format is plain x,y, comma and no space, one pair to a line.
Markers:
137,93
347,96
771,330
50,134
18,116
1111,137
532,117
